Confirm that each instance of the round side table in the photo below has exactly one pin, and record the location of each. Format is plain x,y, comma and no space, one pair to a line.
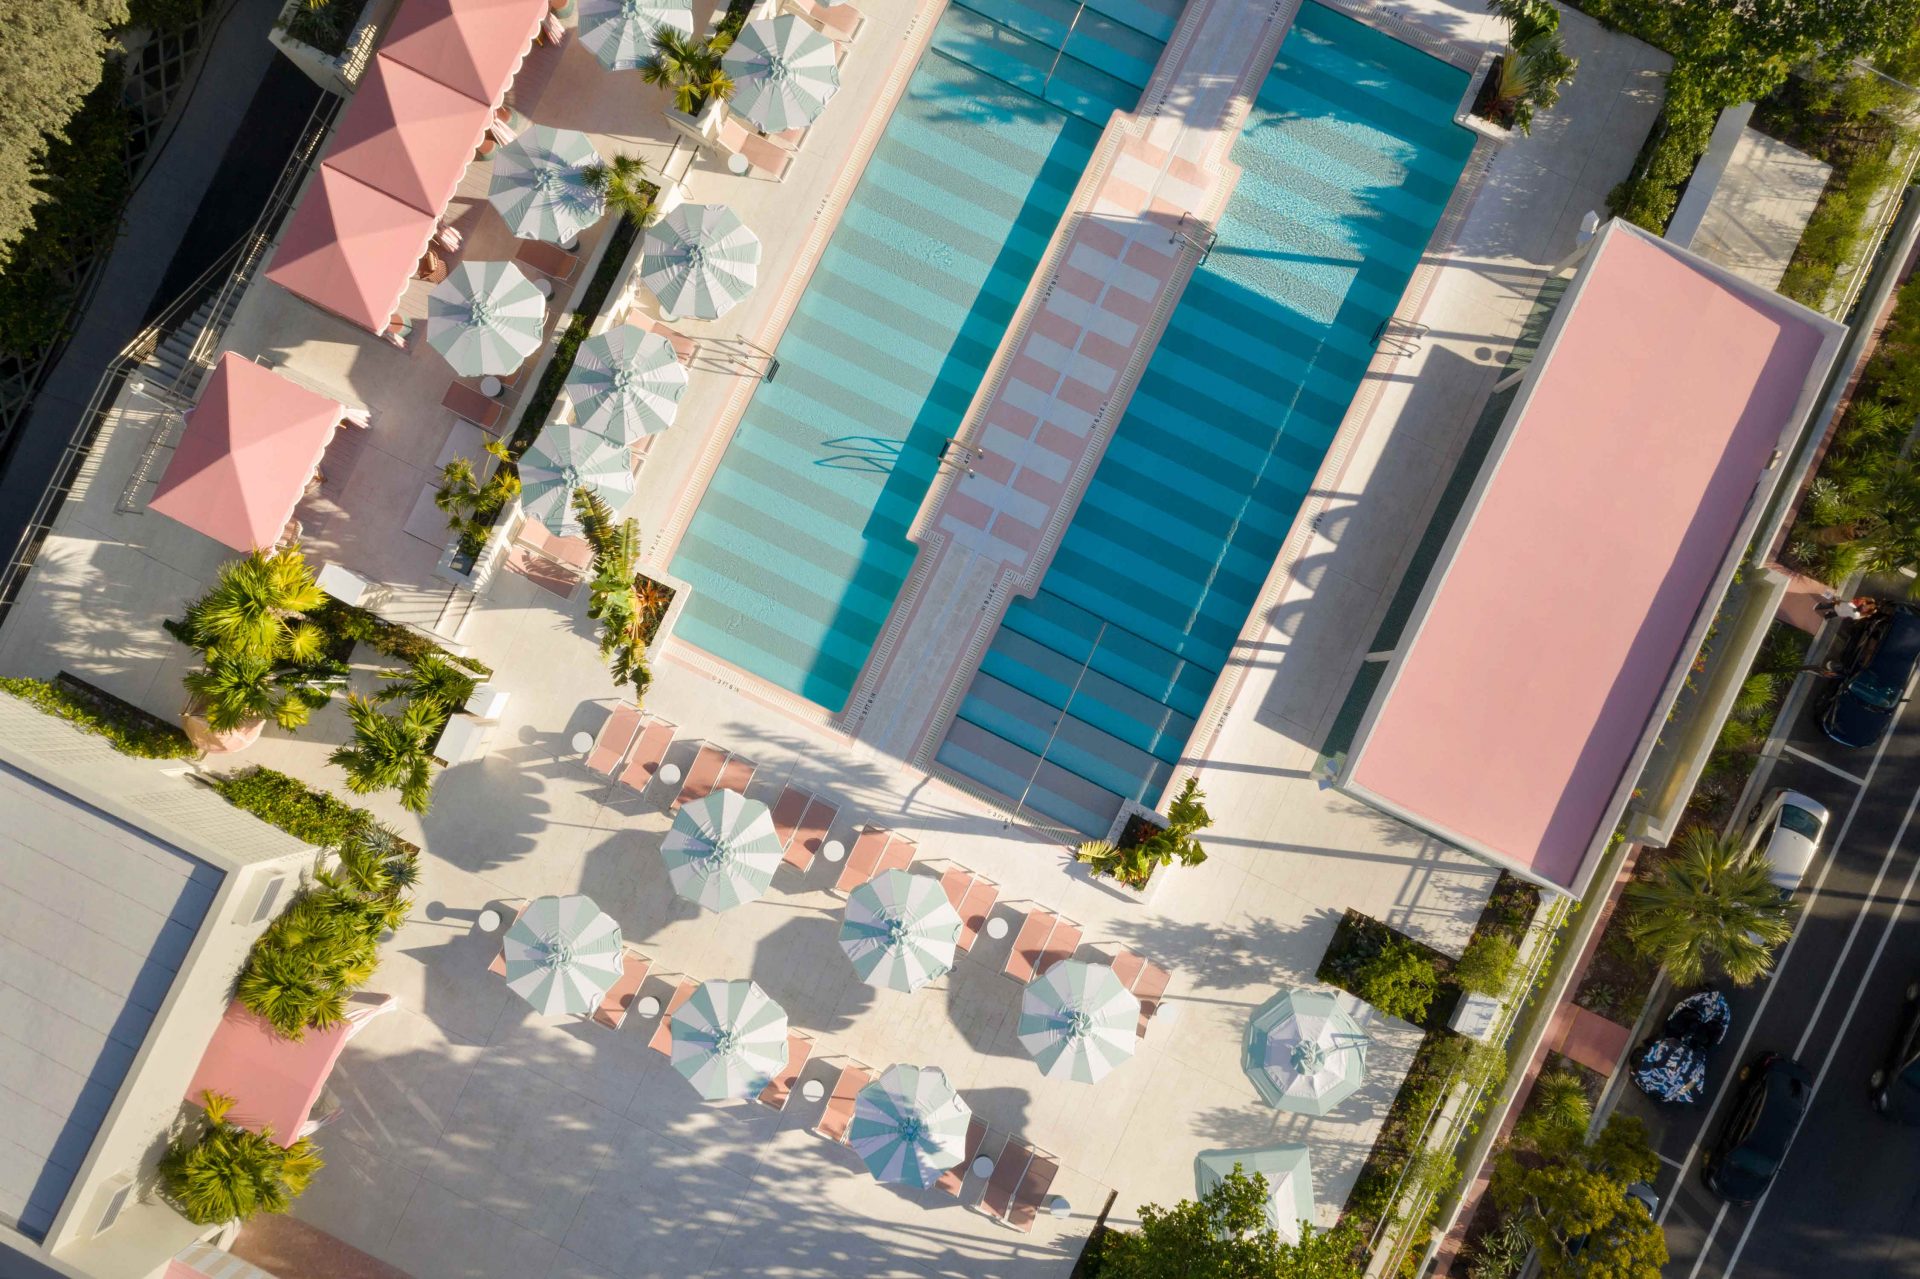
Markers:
582,742
1059,1206
982,1166
813,1090
647,1006
833,850
670,774
491,386
489,920
997,927
737,164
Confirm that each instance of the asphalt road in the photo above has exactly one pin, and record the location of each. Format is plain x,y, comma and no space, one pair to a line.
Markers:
1847,1200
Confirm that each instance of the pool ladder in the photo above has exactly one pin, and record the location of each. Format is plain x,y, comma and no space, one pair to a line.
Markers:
960,456
1195,234
1061,52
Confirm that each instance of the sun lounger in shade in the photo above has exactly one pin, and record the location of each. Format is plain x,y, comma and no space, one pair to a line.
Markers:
787,812
1061,943
470,406
1030,945
548,259
952,1179
735,775
864,860
1032,1192
612,1012
810,834
780,1087
662,1040
1009,1168
615,736
975,907
499,965
701,775
839,1112
898,855
1149,988
648,751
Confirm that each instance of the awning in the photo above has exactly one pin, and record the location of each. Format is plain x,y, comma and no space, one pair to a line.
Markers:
274,1081
474,46
249,448
351,249
408,135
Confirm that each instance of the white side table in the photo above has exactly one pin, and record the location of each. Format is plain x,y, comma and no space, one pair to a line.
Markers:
489,920
648,1006
670,774
982,1166
491,386
1059,1206
813,1090
737,164
544,285
997,927
582,742
489,701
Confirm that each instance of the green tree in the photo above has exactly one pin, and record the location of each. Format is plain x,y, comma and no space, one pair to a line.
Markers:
226,1173
1486,966
1134,864
257,608
235,692
1707,906
430,680
622,183
1398,979
390,752
689,68
1880,505
1535,65
470,505
1570,1197
1558,1110
1225,1234
614,597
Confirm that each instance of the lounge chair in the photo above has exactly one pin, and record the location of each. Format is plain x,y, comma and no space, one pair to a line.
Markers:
781,1086
648,752
549,260
810,833
684,347
736,775
1009,1170
662,1041
840,22
1031,1193
839,1112
612,1012
701,776
953,1178
1146,979
1061,943
973,897
898,856
864,860
763,156
787,812
615,736
1030,945
470,406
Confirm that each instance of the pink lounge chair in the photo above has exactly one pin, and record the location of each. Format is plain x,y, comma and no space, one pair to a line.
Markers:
974,909
549,260
810,834
612,1012
736,776
787,812
648,752
953,1178
780,1087
864,860
899,856
1030,945
840,22
1009,1170
662,1041
763,157
470,406
1032,1193
701,776
1061,943
839,1112
684,347
1149,989
615,736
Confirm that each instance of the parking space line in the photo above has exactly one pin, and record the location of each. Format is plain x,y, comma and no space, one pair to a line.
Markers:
1706,1245
1671,1163
1788,748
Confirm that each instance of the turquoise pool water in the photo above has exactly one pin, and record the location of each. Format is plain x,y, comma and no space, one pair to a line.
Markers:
1089,691
799,545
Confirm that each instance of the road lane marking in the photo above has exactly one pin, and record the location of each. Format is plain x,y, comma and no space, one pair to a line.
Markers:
1786,955
1671,1163
1853,1006
1706,1245
1789,748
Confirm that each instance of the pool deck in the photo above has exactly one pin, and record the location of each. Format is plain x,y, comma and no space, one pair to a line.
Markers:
480,1140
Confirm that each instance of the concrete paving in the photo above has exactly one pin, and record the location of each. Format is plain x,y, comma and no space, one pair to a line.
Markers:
1761,205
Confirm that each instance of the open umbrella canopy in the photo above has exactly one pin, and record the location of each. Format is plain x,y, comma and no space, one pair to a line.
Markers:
900,930
567,457
729,1039
1303,1052
540,184
1078,1021
620,32
1288,1174
783,72
722,850
562,954
700,260
626,383
909,1125
486,317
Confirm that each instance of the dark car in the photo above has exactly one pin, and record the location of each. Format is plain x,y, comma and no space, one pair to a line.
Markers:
1766,1112
1869,696
1896,1085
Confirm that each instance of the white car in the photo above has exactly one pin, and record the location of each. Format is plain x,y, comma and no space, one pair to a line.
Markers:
1787,831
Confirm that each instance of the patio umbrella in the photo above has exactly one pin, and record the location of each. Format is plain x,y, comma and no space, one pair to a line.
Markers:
699,260
1289,1181
626,383
1303,1052
722,850
620,32
783,72
1078,1021
562,954
486,317
565,458
900,930
729,1039
540,184
909,1125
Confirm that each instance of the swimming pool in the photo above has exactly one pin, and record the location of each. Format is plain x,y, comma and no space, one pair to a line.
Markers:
799,546
1090,689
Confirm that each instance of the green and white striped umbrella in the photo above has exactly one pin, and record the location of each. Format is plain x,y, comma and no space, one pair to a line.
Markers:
562,954
540,184
626,383
700,261
900,930
783,73
1078,1021
620,32
722,850
566,457
729,1039
1303,1052
486,317
1289,1177
909,1125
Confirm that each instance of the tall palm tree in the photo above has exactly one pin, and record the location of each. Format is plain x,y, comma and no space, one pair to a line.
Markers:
390,752
1708,905
236,691
431,679
257,609
622,183
613,597
688,67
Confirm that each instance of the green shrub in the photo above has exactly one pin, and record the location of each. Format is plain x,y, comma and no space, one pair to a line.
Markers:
346,626
1487,964
226,1173
129,730
311,816
1398,980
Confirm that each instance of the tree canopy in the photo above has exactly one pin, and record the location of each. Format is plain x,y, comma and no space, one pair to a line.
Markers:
1570,1198
1224,1234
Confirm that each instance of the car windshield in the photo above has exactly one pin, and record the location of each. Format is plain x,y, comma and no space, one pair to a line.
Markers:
1875,694
1799,821
1751,1161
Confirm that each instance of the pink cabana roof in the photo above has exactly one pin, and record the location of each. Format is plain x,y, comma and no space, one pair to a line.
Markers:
474,46
273,1081
1553,635
248,450
351,249
408,135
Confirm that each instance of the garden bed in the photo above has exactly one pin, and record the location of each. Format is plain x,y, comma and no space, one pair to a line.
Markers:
347,625
311,816
656,599
129,730
1486,103
1360,940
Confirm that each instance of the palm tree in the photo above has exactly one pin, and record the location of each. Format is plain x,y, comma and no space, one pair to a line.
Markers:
1708,905
614,598
227,1173
431,679
1134,864
1884,537
688,67
1535,65
257,608
292,988
1559,1107
390,752
236,692
622,183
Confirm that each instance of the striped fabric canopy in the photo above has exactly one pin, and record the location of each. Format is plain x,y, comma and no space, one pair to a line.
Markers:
900,930
620,32
486,317
1078,1021
783,73
565,458
700,261
909,1125
729,1039
540,187
1304,1053
1289,1177
562,954
722,850
626,384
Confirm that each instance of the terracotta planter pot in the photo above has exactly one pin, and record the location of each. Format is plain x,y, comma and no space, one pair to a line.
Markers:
211,742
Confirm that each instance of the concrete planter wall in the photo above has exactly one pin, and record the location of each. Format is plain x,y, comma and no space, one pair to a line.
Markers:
1464,116
336,73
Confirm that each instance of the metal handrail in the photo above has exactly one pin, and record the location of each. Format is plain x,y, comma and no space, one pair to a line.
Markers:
1061,51
1040,760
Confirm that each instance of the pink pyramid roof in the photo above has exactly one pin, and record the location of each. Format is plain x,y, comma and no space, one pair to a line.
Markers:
273,1081
407,135
250,446
474,46
351,249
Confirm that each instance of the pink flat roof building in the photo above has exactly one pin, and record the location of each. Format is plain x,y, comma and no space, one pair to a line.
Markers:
1581,577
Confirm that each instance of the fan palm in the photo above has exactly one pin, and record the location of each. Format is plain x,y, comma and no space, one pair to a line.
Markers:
431,679
228,1174
257,609
1886,537
1535,65
293,989
1708,905
688,67
614,598
235,692
622,183
1559,1107
390,752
